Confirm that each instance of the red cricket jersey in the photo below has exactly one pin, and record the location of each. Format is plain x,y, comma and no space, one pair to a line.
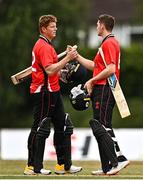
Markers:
111,50
43,55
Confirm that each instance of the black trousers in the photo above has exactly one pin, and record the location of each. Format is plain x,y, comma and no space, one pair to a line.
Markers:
46,104
103,103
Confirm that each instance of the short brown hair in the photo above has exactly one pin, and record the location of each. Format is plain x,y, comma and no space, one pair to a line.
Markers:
45,20
108,21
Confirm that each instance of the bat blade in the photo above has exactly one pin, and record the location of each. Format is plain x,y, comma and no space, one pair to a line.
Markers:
26,73
21,76
119,96
117,92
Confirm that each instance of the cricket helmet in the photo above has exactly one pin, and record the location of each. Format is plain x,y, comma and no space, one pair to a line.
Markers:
79,98
73,72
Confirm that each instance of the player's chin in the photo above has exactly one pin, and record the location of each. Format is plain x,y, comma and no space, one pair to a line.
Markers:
54,34
53,37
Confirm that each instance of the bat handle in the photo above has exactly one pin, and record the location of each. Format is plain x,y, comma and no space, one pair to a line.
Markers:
65,52
62,54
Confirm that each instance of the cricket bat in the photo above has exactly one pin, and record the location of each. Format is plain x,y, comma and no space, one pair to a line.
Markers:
26,73
117,91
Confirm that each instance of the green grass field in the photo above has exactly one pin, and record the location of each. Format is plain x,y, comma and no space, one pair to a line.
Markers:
14,170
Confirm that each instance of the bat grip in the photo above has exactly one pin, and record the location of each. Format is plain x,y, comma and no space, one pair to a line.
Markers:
65,52
62,54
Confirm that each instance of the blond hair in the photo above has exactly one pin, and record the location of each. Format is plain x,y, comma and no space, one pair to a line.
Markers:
45,20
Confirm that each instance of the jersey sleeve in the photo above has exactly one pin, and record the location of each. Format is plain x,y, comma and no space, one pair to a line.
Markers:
109,52
47,56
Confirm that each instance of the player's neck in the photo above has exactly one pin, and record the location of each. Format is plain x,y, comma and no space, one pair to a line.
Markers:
45,38
105,34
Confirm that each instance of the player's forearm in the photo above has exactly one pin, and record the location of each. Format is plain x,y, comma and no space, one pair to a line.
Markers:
86,62
54,68
108,71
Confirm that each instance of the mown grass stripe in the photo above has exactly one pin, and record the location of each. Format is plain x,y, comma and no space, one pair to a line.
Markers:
71,177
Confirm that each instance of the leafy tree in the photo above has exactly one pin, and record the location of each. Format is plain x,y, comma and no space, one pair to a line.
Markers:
18,33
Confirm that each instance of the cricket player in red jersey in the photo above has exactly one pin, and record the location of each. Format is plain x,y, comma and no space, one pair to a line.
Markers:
112,160
47,103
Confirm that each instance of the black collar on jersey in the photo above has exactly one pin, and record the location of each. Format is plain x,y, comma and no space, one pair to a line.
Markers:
45,39
108,36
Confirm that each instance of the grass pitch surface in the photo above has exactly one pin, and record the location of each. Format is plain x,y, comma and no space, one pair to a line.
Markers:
14,170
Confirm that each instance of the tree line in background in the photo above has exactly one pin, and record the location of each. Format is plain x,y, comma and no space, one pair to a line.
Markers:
18,33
